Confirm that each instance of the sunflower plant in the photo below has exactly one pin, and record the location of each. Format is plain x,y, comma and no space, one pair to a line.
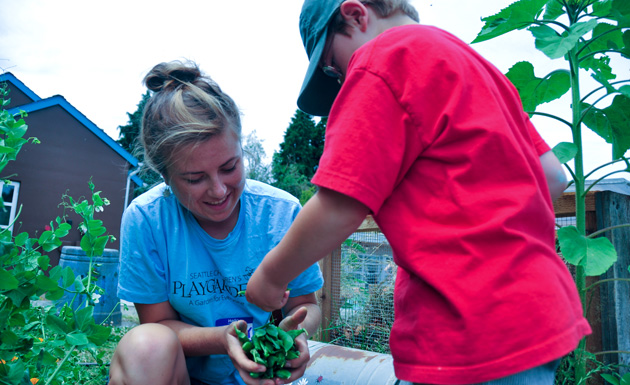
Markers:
41,344
584,36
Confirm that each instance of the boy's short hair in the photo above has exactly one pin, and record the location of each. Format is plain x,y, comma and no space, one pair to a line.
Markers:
317,18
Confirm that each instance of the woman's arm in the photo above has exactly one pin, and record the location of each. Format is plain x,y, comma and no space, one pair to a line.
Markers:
200,341
195,340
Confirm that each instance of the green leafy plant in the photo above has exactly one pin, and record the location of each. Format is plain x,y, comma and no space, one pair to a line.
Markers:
585,34
270,346
42,343
617,380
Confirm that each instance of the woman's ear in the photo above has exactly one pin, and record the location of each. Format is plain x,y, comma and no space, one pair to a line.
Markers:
355,14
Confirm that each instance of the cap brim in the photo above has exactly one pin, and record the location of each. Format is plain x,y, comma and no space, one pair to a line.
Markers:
318,90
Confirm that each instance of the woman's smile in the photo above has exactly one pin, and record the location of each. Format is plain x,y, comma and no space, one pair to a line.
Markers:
208,179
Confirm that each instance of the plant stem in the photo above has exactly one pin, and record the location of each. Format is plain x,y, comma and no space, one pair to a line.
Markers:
595,234
607,280
611,352
580,211
65,358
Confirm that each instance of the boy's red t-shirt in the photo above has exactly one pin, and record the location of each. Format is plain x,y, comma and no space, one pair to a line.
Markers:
434,140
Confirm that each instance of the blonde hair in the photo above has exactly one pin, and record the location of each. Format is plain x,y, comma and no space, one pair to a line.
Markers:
186,107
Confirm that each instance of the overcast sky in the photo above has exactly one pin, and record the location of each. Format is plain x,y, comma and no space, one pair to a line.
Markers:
95,54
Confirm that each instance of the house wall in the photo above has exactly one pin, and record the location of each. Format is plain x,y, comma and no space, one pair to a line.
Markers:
68,156
17,97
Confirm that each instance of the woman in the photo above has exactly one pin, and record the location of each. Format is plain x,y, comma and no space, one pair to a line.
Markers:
190,244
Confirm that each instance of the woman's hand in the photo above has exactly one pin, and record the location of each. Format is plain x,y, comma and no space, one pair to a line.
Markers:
236,353
296,366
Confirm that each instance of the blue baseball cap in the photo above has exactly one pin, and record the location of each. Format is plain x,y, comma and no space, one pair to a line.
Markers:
318,90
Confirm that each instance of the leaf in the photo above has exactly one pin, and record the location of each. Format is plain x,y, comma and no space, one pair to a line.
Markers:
625,51
63,230
55,295
286,340
86,245
610,379
20,239
242,337
555,45
611,123
43,261
283,373
605,36
45,283
7,280
595,255
565,151
68,277
553,10
55,273
518,15
99,334
535,91
620,12
78,284
6,150
45,237
56,324
99,245
84,318
77,339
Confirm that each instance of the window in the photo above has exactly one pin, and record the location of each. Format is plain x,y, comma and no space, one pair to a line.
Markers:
10,197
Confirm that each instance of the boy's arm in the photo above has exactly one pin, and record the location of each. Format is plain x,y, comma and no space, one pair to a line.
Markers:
326,220
554,173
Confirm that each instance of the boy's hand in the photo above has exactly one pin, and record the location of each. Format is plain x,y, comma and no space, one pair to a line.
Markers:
263,292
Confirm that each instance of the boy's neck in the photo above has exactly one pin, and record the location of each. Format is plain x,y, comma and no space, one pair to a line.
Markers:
395,20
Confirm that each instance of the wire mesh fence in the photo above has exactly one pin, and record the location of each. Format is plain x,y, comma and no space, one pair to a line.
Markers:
360,275
362,298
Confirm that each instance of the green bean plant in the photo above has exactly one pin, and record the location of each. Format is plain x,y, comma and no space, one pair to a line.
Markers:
40,344
584,35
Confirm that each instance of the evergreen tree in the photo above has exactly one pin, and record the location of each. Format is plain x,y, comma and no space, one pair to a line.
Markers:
129,134
129,140
296,162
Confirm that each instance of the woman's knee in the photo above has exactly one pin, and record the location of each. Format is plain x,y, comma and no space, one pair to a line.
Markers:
149,340
143,347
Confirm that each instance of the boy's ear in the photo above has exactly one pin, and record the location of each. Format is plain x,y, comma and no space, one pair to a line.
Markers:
355,14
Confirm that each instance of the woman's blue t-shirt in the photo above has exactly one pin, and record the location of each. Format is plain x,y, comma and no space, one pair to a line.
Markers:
167,256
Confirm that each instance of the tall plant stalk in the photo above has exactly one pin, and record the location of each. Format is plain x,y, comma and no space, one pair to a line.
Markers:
583,33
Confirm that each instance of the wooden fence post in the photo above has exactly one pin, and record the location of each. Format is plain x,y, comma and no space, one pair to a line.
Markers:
614,209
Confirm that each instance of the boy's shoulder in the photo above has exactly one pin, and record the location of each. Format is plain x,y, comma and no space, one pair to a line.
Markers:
416,32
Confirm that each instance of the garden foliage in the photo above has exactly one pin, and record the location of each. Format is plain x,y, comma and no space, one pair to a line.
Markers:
40,344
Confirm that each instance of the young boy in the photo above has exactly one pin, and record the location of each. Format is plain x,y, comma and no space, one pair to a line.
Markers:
432,140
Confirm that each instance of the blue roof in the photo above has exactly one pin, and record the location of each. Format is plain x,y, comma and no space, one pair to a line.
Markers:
21,86
58,100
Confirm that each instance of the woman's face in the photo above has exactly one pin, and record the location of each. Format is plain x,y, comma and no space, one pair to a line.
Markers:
208,179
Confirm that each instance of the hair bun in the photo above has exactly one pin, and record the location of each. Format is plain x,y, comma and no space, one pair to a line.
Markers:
171,75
